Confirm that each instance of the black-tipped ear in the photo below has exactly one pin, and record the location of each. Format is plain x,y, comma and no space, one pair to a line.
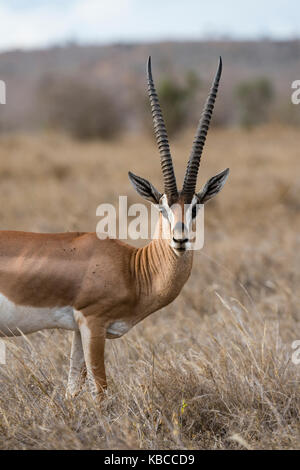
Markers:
213,186
144,188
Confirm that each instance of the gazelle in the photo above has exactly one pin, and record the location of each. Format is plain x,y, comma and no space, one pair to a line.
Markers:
101,288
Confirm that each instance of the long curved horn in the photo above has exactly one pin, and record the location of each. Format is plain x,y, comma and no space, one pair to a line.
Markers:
170,187
190,179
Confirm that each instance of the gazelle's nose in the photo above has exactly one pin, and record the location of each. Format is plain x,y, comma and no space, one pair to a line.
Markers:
179,233
180,240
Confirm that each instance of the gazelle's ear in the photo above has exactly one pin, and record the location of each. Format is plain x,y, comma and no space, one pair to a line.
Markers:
212,187
144,188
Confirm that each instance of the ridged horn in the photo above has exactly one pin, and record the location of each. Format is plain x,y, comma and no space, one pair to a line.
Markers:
170,187
190,179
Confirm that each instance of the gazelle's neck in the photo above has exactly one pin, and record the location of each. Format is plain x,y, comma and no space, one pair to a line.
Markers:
158,272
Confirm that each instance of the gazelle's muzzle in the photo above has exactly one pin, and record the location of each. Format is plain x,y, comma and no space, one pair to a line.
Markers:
179,238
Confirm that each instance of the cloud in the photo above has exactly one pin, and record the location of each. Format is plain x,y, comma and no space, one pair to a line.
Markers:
39,23
46,23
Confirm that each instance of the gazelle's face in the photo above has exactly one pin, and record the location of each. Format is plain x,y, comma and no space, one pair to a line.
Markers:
178,223
178,216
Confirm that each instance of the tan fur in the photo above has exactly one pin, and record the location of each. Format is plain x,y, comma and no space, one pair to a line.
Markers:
106,286
105,281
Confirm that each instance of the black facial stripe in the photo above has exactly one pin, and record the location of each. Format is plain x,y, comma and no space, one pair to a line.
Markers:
194,211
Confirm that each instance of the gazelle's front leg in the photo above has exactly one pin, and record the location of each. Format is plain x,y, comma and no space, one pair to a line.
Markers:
93,335
77,372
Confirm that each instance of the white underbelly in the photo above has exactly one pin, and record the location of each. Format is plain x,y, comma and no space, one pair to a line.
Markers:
15,319
118,329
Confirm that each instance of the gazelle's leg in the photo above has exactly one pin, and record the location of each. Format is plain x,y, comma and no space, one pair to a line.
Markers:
93,342
77,372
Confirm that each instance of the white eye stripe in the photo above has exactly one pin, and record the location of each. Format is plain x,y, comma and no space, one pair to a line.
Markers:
165,207
170,216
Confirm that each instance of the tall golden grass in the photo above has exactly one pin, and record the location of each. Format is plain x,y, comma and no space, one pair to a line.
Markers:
214,369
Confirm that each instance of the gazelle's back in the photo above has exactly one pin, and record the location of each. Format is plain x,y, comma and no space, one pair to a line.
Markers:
48,270
23,259
43,277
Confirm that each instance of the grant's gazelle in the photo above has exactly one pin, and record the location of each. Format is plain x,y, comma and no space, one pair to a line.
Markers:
101,288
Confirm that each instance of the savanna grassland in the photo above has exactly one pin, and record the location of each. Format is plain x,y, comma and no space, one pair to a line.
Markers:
214,369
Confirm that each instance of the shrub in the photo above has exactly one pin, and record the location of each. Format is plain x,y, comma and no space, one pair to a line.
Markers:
80,109
254,99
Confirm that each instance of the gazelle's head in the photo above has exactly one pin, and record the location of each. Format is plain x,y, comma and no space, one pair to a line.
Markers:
179,208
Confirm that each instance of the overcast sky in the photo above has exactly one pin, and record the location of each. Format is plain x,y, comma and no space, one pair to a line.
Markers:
39,23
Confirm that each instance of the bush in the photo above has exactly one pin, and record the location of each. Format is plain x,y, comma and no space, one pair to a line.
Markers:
254,99
80,109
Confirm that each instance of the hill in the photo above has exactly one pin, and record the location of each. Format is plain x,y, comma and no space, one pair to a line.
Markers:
119,71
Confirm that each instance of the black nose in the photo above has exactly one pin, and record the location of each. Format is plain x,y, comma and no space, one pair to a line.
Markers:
181,241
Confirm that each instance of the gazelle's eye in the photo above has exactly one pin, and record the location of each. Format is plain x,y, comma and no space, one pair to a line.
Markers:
164,212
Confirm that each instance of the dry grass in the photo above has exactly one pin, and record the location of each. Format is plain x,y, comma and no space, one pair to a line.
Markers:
211,371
